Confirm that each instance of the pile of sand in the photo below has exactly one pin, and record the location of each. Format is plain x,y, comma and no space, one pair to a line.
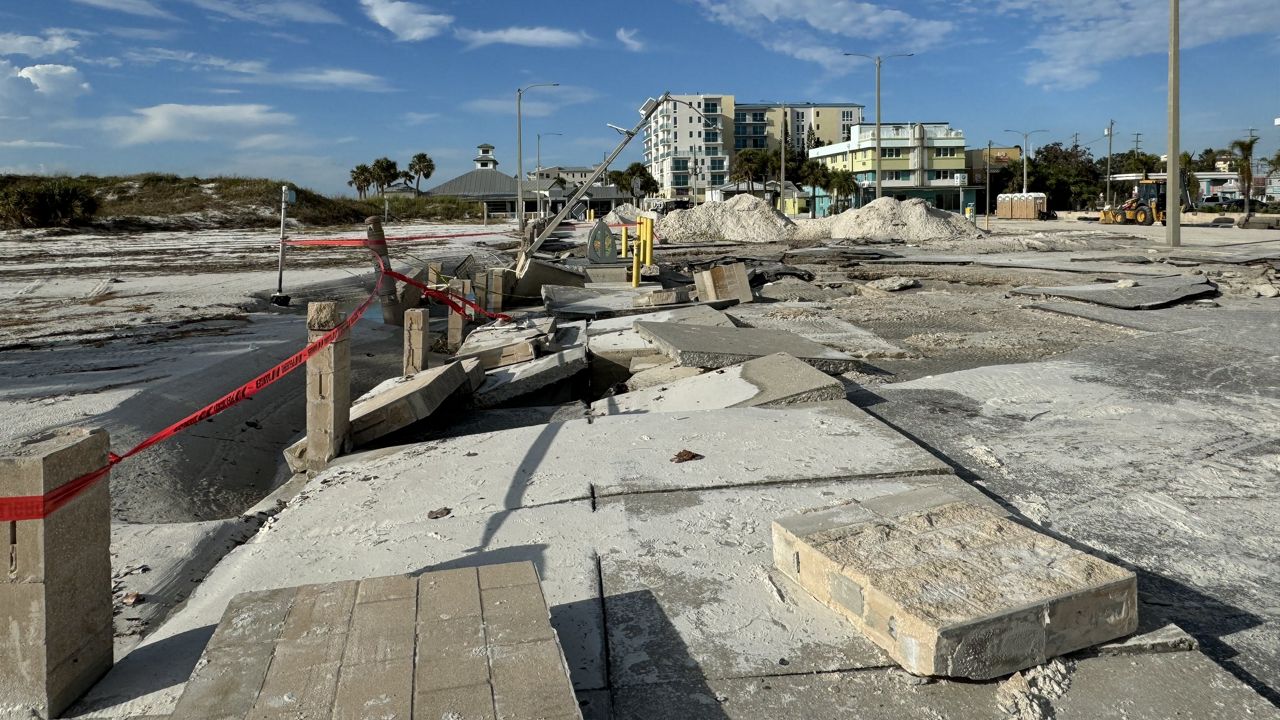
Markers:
910,221
624,214
743,218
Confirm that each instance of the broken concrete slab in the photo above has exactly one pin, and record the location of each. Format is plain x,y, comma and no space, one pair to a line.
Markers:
1144,687
508,383
679,609
952,589
1146,294
815,322
797,290
574,303
399,402
498,345
716,347
667,372
669,296
770,380
691,315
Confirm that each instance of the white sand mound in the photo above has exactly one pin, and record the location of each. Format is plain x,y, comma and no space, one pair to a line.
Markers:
624,214
912,221
743,218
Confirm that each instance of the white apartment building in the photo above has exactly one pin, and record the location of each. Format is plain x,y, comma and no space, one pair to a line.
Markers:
689,143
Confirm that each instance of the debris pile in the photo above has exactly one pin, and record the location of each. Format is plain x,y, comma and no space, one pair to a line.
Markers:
743,218
910,221
624,214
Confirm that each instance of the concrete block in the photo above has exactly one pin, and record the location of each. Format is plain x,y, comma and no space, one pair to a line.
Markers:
328,387
1148,293
670,296
509,383
691,315
771,380
449,594
400,402
531,680
659,375
473,702
499,345
724,282
417,340
814,321
576,303
380,690
716,347
952,588
55,599
452,654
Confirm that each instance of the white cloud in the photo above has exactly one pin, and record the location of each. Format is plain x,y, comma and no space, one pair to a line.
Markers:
407,21
52,43
199,123
818,30
1077,38
34,144
55,81
627,36
546,101
419,118
260,73
544,37
269,11
143,8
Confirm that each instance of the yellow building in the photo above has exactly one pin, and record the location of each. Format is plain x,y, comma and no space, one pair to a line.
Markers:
924,160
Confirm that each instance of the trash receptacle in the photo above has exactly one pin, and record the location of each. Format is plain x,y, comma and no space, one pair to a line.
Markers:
970,214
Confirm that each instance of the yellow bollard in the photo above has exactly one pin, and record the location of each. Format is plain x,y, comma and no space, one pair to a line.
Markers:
624,241
635,264
648,245
591,215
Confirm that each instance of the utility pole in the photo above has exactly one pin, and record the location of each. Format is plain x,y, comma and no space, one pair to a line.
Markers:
1026,152
520,153
782,175
1173,171
879,61
1137,148
1111,136
1075,140
988,213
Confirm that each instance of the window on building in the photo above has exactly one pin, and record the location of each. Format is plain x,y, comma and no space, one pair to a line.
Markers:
757,116
740,116
943,174
713,136
711,107
680,180
739,129
759,143
847,134
717,179
680,165
757,129
897,174
944,152
717,164
846,116
739,143
889,153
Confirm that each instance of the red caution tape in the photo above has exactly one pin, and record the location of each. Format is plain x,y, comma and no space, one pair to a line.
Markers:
38,507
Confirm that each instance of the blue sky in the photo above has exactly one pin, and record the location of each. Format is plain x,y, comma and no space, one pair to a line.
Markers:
305,89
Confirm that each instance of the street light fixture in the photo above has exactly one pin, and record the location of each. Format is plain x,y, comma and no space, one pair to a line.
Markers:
520,153
1026,152
879,61
539,170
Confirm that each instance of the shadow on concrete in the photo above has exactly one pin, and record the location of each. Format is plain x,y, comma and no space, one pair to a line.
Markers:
148,669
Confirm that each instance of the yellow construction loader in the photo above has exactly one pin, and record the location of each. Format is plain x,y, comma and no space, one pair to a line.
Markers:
1146,207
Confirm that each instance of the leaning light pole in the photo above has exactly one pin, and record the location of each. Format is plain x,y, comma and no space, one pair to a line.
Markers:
879,61
520,153
1173,177
1026,152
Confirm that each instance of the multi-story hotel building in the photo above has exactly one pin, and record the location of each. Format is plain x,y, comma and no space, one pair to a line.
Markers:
689,143
924,160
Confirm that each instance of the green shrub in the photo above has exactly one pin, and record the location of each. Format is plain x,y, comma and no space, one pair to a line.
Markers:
50,203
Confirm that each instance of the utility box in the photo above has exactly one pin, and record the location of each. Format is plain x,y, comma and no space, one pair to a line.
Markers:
1021,206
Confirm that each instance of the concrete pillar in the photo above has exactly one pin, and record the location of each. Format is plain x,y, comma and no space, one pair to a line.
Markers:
377,242
435,273
497,288
55,576
457,321
417,340
328,388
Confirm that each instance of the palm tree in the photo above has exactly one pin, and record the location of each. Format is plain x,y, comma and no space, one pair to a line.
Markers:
747,166
813,174
385,172
361,179
422,167
1190,188
841,183
1244,149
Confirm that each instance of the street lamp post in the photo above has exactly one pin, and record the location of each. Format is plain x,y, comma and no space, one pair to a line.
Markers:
1173,170
1026,153
520,153
879,61
539,170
